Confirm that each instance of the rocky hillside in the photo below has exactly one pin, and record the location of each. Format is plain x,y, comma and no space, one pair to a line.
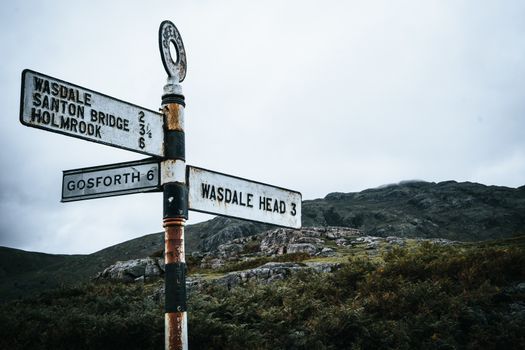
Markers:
459,211
453,210
415,296
268,257
23,273
450,210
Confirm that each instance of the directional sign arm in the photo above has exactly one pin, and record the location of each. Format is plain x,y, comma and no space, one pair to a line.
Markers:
111,180
54,105
215,193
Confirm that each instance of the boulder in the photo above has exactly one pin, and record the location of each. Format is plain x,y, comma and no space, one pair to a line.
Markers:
133,270
266,273
327,252
229,250
302,248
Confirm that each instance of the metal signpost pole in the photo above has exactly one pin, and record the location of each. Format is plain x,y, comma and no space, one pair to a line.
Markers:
173,177
54,105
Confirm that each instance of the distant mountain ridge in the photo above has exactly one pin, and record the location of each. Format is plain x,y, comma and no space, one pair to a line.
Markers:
453,210
457,211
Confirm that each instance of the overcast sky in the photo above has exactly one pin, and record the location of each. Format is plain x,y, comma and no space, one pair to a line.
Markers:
315,96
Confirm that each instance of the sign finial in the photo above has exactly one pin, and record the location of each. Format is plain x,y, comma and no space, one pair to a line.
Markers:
168,34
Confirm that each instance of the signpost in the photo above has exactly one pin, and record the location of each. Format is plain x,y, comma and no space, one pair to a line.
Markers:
54,105
111,180
215,193
58,106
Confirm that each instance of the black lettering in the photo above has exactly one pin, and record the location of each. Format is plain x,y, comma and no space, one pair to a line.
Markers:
212,193
71,95
54,89
99,180
45,102
38,84
126,177
72,109
64,105
282,207
135,176
205,190
81,184
63,91
268,204
234,199
46,90
71,185
97,132
93,115
262,203
64,122
240,200
46,117
77,97
35,114
276,206
249,197
36,99
126,125
91,129
91,183
74,123
117,179
119,123
108,182
293,212
55,104
220,194
228,196
82,127
87,99
53,122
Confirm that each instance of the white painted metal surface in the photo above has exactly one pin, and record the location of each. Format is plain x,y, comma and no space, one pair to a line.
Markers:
110,180
58,106
172,170
216,193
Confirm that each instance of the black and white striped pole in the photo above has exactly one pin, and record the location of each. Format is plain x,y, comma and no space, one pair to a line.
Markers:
175,189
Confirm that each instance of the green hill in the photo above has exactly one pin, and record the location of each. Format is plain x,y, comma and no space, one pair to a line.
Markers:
25,273
457,211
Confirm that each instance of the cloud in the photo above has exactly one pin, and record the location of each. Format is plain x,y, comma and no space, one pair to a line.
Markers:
317,97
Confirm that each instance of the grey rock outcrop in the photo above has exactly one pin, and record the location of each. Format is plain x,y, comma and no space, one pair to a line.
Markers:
309,240
134,270
266,273
271,272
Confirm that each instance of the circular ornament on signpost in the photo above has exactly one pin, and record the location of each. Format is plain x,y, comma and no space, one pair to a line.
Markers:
168,34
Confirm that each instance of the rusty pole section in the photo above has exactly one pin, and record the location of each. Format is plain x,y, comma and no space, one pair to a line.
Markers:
173,179
174,218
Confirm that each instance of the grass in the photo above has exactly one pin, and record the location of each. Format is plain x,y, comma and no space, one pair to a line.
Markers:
418,297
